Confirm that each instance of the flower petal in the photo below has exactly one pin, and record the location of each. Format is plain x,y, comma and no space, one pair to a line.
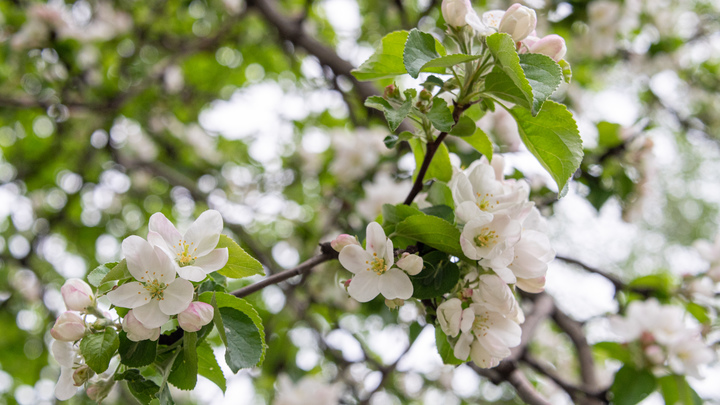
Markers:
375,241
364,286
204,233
395,283
412,264
355,259
140,256
389,254
65,388
150,315
192,273
462,347
162,226
156,239
129,295
213,261
165,273
177,297
63,353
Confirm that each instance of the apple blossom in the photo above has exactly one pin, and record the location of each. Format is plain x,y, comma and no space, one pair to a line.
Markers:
157,294
549,45
454,12
687,353
136,331
488,237
66,354
343,240
453,318
194,252
478,26
197,315
490,338
69,327
495,295
77,294
373,268
518,21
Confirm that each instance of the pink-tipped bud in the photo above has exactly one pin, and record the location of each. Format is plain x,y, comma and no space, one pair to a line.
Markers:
346,283
518,21
412,264
197,315
136,331
550,45
343,240
454,12
77,295
82,374
69,327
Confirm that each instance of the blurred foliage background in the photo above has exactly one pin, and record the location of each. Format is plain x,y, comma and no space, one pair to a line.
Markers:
111,111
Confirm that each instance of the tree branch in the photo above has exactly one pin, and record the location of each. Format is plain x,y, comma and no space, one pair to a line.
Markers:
574,330
516,378
617,282
327,254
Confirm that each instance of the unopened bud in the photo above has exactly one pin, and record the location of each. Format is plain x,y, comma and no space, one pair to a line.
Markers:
412,264
518,21
197,315
82,374
425,95
394,303
391,91
343,240
454,12
550,45
655,354
99,390
69,327
136,331
77,295
346,283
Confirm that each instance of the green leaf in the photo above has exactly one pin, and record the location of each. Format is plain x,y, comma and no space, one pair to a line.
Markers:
392,214
544,76
439,194
392,139
676,390
143,390
387,61
609,134
96,276
614,350
185,368
465,127
553,138
662,282
481,143
444,348
439,275
394,116
119,272
240,264
224,300
433,81
440,115
698,311
208,366
449,60
566,70
432,231
99,348
136,354
441,211
632,386
440,167
507,80
244,348
421,48
164,396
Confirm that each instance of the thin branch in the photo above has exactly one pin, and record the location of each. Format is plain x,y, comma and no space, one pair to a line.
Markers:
516,378
575,331
575,392
617,283
327,254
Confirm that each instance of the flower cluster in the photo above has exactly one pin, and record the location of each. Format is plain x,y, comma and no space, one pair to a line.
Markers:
373,266
518,21
664,336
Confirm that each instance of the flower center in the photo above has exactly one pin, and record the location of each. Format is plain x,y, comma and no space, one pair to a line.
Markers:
483,203
155,288
377,265
482,324
486,238
185,257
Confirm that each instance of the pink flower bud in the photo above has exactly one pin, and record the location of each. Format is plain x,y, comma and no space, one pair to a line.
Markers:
77,294
454,12
518,21
136,331
82,374
550,45
197,315
343,240
69,327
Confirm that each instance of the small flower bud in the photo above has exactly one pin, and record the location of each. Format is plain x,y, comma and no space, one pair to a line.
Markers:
395,303
346,283
82,374
550,45
454,12
136,331
77,294
69,327
412,264
197,315
343,240
518,21
99,390
425,95
391,91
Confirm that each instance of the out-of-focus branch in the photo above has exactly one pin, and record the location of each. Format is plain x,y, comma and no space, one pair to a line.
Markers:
578,394
327,254
575,331
617,283
516,378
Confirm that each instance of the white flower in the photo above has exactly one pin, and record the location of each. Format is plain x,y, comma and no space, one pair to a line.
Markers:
489,236
453,318
69,327
531,285
194,252
687,353
490,338
197,315
454,12
77,294
495,295
136,331
373,268
518,21
157,294
66,354
481,29
528,259
383,190
650,320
